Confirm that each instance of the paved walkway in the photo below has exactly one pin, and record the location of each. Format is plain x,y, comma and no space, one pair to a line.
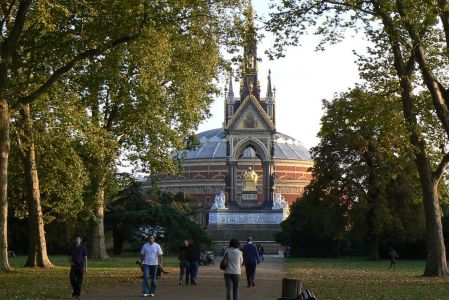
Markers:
210,285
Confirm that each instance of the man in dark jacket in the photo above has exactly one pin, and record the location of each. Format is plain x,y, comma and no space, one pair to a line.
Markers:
193,257
78,265
184,263
251,258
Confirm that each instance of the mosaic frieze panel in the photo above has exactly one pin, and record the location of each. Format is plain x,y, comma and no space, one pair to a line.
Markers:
245,218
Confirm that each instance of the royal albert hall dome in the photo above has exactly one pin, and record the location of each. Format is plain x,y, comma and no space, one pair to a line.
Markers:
204,169
213,145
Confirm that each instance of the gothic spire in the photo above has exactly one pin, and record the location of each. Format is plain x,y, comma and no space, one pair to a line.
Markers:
230,87
249,68
269,87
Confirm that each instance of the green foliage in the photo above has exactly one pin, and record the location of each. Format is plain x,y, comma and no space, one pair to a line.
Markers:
108,81
407,57
364,179
133,210
62,174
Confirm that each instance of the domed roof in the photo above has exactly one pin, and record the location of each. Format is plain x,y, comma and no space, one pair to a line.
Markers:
213,145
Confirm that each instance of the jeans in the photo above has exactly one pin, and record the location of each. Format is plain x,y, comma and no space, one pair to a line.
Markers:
232,284
76,279
149,271
184,271
250,270
193,270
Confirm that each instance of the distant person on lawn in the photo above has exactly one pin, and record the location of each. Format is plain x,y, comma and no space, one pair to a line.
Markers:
150,254
78,265
393,256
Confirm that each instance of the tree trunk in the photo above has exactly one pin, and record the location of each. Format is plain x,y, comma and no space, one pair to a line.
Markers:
436,255
373,197
98,231
37,250
4,153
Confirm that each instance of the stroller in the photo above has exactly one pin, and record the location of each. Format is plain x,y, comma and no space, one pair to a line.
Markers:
207,258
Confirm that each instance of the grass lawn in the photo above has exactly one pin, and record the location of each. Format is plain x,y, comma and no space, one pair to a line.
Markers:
355,278
36,283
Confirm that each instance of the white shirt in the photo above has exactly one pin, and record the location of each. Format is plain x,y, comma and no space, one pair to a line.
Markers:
151,252
235,261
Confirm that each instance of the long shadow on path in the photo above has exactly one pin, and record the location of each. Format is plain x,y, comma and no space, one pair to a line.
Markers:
210,285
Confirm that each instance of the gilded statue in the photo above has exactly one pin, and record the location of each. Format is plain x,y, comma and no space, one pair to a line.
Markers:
250,180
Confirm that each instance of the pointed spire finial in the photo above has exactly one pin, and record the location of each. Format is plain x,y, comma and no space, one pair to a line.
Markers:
230,87
269,86
250,60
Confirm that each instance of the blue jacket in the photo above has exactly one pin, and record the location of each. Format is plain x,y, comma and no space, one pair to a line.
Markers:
250,253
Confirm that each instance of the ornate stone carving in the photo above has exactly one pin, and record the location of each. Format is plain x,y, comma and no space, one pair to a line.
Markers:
280,203
219,201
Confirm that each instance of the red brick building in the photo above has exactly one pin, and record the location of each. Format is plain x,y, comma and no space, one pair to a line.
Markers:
205,169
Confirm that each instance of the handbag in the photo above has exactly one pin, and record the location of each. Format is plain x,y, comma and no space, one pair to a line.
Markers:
224,262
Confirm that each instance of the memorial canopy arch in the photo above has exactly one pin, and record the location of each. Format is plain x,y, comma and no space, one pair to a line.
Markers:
250,127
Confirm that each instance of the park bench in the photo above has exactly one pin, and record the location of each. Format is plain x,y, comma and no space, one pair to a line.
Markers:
11,254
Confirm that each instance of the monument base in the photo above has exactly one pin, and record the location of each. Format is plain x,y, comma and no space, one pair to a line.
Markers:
262,225
249,199
242,232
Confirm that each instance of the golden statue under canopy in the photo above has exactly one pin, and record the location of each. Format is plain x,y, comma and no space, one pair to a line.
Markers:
250,180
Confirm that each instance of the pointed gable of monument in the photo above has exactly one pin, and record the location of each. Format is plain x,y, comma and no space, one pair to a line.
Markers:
250,116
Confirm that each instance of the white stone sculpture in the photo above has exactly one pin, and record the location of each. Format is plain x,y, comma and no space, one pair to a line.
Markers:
277,201
219,201
214,205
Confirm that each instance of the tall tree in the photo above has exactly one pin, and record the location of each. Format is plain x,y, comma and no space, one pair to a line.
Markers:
35,135
145,101
359,176
42,41
414,36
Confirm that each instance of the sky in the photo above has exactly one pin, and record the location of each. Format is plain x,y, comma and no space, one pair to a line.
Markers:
302,79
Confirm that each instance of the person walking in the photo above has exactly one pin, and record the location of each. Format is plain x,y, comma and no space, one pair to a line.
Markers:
393,256
251,258
232,272
184,263
78,265
150,254
193,257
261,252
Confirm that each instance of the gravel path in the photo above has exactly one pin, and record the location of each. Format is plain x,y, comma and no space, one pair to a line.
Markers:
210,285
